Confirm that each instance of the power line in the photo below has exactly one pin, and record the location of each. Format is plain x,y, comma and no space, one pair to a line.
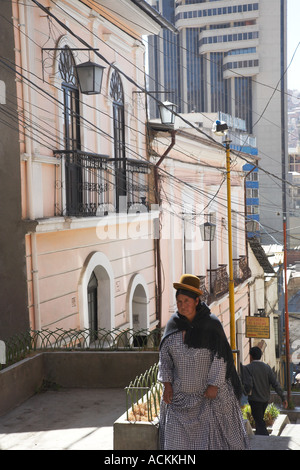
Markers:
62,105
212,139
141,88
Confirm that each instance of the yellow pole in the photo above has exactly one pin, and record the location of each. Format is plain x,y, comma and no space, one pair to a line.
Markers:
231,281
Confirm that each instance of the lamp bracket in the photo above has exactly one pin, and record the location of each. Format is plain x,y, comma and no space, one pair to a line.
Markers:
63,49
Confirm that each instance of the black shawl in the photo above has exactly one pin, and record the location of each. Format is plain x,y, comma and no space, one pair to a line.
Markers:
206,331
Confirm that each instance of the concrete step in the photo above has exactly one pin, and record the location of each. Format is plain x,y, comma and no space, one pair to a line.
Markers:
292,430
280,423
274,442
284,436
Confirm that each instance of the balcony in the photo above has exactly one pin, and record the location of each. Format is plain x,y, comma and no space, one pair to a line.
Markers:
216,283
205,295
219,280
96,185
241,271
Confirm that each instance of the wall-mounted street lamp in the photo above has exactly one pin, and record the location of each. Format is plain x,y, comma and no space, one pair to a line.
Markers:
166,111
90,77
87,75
208,231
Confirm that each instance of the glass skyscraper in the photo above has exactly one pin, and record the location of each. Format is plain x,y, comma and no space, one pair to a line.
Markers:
208,66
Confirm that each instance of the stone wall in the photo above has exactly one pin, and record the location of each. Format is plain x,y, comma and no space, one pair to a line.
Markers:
70,370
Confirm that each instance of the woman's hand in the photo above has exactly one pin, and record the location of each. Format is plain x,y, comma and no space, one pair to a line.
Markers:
168,393
211,392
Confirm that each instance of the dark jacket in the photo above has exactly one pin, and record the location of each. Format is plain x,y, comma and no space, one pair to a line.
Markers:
206,331
259,378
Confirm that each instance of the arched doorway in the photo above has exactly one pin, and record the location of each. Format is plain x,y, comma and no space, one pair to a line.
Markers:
139,316
138,308
92,292
96,293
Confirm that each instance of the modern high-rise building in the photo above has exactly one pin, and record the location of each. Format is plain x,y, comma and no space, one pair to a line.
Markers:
229,56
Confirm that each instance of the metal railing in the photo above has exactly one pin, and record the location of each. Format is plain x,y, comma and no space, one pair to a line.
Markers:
21,346
219,279
143,396
95,182
216,283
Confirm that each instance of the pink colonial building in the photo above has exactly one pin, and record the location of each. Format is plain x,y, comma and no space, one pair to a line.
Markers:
85,256
84,246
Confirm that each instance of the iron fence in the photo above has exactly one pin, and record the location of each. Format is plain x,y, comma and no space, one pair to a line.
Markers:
21,346
143,396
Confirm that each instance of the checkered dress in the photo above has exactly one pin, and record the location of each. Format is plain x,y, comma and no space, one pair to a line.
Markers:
191,421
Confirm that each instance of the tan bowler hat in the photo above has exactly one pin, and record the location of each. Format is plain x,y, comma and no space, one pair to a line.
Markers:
189,282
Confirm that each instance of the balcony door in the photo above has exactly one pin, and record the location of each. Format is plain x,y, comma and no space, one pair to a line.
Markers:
71,115
72,139
117,96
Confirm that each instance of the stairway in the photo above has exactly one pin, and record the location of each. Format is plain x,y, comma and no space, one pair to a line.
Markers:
284,436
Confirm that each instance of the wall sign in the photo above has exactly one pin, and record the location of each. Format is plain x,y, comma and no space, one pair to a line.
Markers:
258,327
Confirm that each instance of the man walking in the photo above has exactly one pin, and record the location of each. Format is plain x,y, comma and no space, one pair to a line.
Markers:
259,377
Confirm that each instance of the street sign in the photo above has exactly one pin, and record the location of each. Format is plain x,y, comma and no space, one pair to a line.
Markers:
258,327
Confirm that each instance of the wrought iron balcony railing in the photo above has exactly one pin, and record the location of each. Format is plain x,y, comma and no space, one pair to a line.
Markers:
241,270
205,295
216,283
95,184
219,281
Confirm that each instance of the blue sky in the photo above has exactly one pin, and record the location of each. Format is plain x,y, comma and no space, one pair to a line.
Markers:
293,38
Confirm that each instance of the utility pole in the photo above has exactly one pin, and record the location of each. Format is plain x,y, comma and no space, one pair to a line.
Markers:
286,319
221,128
231,280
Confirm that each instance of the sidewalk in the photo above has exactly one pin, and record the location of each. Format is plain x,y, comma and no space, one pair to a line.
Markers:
70,419
82,419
